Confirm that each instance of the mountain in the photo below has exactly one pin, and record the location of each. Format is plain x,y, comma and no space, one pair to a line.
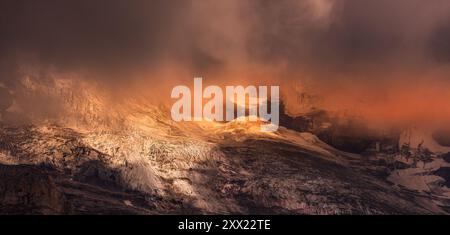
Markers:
131,158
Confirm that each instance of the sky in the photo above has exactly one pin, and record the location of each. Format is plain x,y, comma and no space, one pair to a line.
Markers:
354,54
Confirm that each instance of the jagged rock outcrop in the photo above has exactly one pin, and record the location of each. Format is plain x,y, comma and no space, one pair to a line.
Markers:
29,189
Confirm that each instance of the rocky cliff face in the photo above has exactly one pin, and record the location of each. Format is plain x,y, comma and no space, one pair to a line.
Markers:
131,158
50,169
28,189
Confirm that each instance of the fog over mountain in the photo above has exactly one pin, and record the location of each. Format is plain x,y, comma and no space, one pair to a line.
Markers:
85,97
327,45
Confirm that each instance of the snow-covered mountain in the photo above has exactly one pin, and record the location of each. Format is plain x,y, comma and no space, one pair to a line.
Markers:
130,157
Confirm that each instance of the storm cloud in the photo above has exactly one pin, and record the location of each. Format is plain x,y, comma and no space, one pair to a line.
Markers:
328,41
117,33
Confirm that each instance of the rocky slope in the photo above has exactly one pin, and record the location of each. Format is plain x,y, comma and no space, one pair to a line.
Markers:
50,169
131,158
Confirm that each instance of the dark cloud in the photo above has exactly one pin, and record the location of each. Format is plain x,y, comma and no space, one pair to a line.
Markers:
109,35
87,32
439,43
353,32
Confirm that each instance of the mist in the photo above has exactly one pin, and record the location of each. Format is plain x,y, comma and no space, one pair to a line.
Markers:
366,57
